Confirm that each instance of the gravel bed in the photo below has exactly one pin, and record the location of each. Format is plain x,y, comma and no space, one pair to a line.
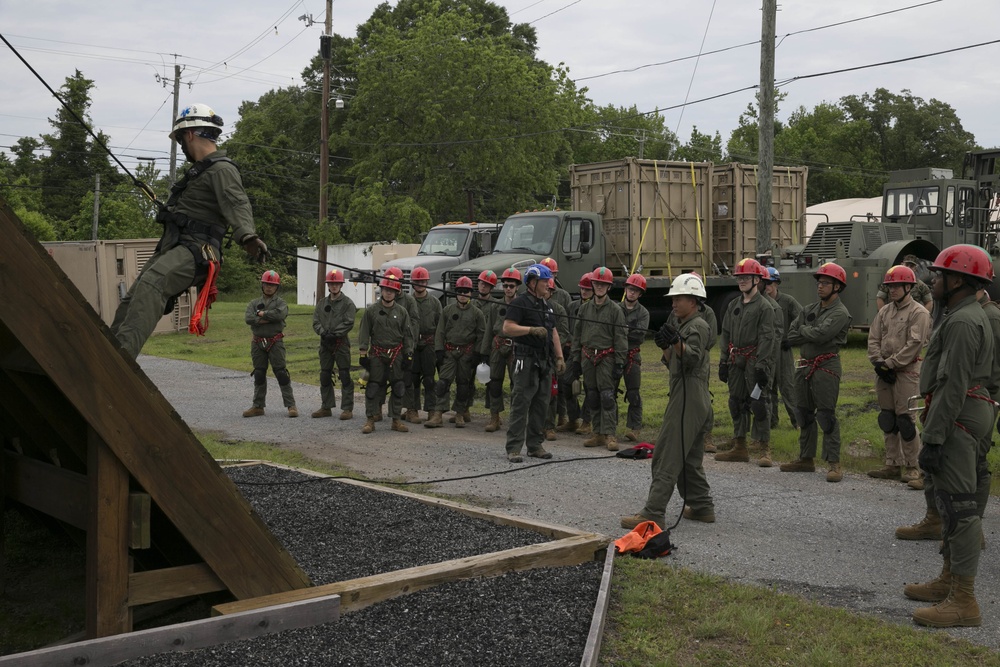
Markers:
340,531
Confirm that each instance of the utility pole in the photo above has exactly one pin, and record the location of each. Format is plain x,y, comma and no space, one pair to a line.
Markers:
765,136
325,51
173,117
97,206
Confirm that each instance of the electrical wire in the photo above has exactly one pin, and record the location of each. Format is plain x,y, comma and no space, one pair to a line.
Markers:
694,72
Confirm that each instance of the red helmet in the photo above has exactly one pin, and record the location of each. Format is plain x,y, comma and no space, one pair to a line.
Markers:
900,275
552,283
488,276
748,266
636,280
388,283
270,278
764,273
602,274
831,270
335,276
464,282
551,263
969,260
394,272
420,273
511,274
585,282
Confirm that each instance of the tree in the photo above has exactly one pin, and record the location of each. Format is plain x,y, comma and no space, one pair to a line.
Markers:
450,104
701,148
613,133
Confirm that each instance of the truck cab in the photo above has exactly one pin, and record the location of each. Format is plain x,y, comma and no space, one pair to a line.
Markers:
575,239
446,246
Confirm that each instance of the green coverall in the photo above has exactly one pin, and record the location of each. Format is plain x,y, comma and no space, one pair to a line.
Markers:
333,319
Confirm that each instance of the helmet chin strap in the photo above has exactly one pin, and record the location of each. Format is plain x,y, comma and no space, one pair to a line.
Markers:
906,293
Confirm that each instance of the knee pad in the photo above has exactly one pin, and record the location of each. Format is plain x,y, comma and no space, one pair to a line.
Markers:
463,392
495,388
887,422
805,418
592,400
953,507
442,387
372,390
608,400
633,398
907,429
758,408
827,420
428,384
259,376
326,378
399,389
283,377
735,407
345,378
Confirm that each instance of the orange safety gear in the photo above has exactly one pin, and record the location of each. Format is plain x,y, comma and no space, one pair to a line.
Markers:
640,541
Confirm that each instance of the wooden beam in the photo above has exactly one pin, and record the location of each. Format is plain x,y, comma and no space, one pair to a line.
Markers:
46,434
107,542
54,491
61,332
139,508
172,582
592,650
182,636
3,495
360,593
46,399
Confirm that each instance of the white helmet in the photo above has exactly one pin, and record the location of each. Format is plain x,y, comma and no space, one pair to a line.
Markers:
197,115
688,285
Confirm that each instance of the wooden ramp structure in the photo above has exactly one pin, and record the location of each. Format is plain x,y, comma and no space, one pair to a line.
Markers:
88,440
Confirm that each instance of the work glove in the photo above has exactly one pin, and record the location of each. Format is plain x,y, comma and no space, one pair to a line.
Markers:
560,366
616,374
540,332
931,457
329,340
477,358
760,377
724,372
365,362
887,374
407,364
666,336
439,355
256,248
785,345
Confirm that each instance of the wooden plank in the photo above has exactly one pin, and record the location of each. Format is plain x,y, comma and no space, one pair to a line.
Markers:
172,582
360,593
139,507
46,399
48,432
107,542
592,650
547,529
61,332
54,491
3,536
188,636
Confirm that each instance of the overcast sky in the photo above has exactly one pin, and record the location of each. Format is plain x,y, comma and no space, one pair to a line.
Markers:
236,50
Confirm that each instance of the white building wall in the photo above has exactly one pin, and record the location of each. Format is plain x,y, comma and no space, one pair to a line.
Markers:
361,256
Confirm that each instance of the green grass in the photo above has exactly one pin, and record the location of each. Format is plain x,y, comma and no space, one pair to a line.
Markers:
662,615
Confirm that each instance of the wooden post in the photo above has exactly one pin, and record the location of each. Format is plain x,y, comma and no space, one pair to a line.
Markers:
765,127
108,612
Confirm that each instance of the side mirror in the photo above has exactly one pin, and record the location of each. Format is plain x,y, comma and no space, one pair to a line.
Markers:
485,243
586,233
585,247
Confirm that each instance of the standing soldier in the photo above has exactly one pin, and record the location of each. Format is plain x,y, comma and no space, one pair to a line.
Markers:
266,316
581,423
600,346
762,431
958,415
820,330
747,363
333,320
784,364
677,456
498,348
487,305
559,295
920,293
557,401
424,359
898,334
637,320
457,342
537,353
406,300
385,326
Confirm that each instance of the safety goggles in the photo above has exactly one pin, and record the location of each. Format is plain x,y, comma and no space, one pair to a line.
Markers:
510,285
463,292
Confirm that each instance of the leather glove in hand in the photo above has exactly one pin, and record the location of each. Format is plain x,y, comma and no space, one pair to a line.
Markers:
887,374
256,248
760,377
407,364
540,332
616,374
724,372
666,336
931,457
439,355
329,340
785,345
477,358
365,362
560,366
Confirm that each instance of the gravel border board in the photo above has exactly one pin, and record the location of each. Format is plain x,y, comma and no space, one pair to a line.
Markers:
338,532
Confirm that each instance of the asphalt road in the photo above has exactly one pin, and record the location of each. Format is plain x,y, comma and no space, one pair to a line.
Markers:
792,531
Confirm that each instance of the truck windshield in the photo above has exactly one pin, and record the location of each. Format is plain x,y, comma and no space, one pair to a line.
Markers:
901,203
534,234
448,242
